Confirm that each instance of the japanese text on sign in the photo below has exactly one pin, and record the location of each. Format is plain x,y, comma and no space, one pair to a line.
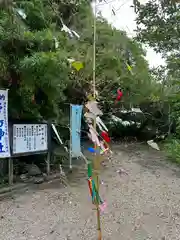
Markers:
4,134
29,138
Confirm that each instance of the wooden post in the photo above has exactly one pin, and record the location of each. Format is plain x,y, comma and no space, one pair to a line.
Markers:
48,160
10,171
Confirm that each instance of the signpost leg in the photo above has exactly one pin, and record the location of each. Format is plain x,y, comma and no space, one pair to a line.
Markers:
10,170
48,169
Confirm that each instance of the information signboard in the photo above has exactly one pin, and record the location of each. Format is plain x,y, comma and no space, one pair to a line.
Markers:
4,133
30,138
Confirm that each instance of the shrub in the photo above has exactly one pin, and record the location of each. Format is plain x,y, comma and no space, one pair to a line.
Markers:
172,147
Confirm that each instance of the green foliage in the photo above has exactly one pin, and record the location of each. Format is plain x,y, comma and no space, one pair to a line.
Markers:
172,148
34,53
158,26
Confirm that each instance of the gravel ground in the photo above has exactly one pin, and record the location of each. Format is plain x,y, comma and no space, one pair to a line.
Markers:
143,205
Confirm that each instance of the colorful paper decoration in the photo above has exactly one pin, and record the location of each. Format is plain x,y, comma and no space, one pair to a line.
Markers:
101,125
90,97
105,136
103,206
104,148
119,95
92,150
89,169
92,187
129,68
93,135
70,32
93,108
77,65
90,117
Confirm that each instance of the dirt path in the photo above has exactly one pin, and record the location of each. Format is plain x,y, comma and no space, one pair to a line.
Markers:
143,205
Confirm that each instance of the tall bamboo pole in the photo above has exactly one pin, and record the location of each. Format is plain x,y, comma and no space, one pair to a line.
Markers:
94,49
96,161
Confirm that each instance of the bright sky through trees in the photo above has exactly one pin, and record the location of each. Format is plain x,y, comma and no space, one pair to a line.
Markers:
124,19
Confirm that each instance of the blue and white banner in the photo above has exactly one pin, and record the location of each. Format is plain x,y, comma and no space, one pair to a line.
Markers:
4,133
76,115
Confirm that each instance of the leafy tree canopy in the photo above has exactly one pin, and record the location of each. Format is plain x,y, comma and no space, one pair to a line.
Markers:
159,27
34,53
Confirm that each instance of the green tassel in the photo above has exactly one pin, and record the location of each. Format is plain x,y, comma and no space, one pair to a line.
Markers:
89,170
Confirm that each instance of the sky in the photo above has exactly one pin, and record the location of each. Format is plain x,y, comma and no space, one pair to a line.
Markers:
125,20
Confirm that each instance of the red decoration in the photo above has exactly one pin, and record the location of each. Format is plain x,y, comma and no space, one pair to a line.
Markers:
105,136
119,95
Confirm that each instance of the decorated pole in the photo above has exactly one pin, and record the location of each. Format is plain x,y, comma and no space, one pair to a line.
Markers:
96,161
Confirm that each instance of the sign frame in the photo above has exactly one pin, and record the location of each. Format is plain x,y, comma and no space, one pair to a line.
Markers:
13,155
4,124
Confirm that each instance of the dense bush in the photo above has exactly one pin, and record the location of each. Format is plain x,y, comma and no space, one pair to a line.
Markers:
34,53
158,26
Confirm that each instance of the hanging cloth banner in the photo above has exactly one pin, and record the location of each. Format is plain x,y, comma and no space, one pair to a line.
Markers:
76,114
4,133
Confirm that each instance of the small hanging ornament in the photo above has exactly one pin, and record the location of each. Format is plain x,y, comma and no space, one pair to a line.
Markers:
90,97
119,95
129,68
77,65
105,136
